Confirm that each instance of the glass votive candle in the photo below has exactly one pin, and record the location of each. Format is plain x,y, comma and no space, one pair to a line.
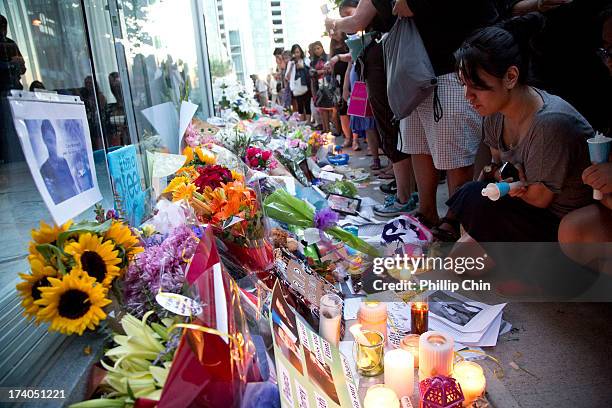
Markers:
472,380
379,396
369,358
419,317
373,316
411,343
330,317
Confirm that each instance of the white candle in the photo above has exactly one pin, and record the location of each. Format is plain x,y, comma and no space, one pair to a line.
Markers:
435,354
399,372
379,396
472,380
330,318
411,343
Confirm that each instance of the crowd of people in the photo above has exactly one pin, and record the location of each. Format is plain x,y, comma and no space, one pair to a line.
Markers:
521,84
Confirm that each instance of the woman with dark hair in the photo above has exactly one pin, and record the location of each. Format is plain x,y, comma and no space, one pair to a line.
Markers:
540,134
321,81
299,81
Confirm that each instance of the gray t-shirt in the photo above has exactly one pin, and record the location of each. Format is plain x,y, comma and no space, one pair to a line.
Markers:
554,152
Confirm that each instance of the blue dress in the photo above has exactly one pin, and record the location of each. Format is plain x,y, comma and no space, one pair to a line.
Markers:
358,124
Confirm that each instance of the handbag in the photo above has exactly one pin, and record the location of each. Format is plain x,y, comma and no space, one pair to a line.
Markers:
295,84
326,95
410,75
358,102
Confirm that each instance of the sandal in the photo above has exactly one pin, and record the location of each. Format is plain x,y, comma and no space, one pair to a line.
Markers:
347,143
386,176
445,235
424,220
375,164
356,146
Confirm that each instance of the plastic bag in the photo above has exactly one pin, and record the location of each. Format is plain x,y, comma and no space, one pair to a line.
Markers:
410,75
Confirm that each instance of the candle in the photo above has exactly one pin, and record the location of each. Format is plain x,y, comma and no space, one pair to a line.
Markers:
411,343
369,353
436,350
419,318
472,380
330,308
373,316
379,396
399,372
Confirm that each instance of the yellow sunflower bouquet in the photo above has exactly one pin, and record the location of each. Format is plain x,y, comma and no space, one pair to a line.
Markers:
72,269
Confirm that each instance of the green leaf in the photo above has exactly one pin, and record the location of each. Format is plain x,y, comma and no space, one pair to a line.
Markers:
83,228
49,251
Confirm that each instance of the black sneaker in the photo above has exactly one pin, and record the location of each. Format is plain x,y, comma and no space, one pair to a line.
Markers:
390,188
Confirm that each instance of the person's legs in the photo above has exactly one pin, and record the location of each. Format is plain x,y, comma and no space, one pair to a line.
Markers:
325,119
458,177
427,184
373,143
583,232
404,177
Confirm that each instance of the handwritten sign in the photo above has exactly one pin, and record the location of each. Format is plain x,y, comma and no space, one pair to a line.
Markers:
125,173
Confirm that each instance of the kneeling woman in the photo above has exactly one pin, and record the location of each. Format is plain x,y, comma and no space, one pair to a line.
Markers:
540,134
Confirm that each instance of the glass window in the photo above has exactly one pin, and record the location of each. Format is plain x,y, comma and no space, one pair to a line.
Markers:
45,45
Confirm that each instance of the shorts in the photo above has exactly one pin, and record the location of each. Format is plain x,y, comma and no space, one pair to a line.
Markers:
453,141
303,102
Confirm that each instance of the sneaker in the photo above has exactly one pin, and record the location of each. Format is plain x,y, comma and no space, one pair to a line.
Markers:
390,188
392,208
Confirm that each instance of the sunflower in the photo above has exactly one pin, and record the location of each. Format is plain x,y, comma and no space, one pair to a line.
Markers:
188,153
73,303
29,289
97,258
205,157
237,176
122,235
46,234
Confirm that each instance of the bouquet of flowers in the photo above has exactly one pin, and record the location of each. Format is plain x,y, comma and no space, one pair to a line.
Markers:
221,198
236,98
199,133
73,268
259,159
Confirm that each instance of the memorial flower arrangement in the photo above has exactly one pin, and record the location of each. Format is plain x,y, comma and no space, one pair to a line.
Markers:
220,197
259,159
73,268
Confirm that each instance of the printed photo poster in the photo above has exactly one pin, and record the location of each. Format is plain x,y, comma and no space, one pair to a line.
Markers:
56,143
126,175
311,372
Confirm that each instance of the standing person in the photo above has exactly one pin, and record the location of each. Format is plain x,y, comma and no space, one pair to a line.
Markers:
299,78
287,99
261,88
319,78
375,17
339,62
444,131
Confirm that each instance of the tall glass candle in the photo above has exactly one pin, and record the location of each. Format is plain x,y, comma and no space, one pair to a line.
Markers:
472,380
379,396
399,372
369,356
419,317
330,311
411,343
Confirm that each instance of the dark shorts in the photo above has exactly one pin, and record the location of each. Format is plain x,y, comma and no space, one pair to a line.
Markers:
342,108
506,220
376,81
303,102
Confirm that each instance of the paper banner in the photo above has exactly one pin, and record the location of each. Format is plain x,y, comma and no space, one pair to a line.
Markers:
164,119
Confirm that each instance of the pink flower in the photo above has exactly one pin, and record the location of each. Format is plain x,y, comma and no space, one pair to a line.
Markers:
252,151
266,154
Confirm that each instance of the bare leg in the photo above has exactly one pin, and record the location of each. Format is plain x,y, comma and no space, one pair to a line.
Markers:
373,142
404,177
590,225
325,119
427,182
458,177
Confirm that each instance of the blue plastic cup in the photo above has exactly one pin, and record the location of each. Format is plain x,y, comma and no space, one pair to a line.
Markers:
504,188
599,149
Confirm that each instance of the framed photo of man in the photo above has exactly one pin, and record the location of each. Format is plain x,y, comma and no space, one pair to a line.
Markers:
56,143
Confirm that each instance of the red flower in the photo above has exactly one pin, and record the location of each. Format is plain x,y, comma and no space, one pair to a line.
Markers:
212,176
266,154
254,162
252,151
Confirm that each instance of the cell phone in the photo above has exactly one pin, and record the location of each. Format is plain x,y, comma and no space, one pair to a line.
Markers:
509,171
344,204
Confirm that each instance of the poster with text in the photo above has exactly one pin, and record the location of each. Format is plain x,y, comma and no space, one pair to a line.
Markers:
125,173
311,372
55,139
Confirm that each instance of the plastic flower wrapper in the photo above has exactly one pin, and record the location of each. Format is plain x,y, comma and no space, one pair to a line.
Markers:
288,209
170,215
216,355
